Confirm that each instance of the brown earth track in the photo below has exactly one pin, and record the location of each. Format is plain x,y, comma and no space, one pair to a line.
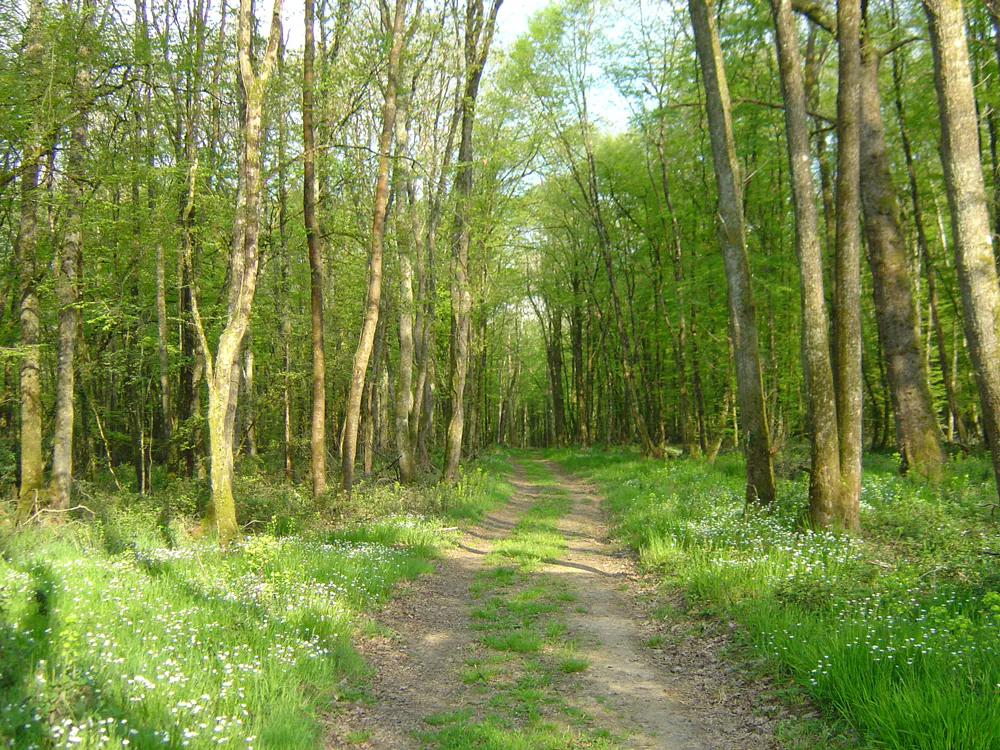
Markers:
677,697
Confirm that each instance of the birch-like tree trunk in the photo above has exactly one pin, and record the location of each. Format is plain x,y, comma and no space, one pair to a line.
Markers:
847,295
732,241
405,198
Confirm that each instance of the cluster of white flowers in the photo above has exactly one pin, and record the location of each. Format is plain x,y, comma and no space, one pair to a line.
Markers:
188,644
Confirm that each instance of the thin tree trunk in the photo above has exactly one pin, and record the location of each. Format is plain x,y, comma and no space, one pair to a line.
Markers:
732,241
317,465
918,434
367,339
967,200
69,271
404,410
847,298
478,37
25,248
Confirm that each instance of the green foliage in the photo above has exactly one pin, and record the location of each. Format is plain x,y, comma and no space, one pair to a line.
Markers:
122,626
897,629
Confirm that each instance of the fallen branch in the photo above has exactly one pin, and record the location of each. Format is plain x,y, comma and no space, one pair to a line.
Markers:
61,510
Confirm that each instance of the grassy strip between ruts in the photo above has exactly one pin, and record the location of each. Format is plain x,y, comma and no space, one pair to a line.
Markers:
898,629
524,663
110,636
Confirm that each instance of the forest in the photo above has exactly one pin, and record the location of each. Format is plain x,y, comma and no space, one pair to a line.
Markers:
300,303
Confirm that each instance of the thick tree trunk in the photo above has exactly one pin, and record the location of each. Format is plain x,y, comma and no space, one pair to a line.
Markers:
732,241
967,200
367,339
317,465
947,374
478,38
824,482
847,297
69,271
918,434
25,248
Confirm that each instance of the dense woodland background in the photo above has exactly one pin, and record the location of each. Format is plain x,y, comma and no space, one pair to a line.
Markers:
197,221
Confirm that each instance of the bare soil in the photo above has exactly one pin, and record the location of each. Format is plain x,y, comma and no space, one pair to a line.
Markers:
680,695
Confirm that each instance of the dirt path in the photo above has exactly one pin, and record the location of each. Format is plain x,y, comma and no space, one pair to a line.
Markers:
684,698
681,698
416,665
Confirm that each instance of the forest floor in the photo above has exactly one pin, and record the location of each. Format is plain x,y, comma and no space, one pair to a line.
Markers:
537,632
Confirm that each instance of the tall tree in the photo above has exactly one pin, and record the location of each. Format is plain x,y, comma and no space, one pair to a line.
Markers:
69,269
317,466
372,303
918,434
970,222
33,157
243,267
847,293
732,241
479,28
824,480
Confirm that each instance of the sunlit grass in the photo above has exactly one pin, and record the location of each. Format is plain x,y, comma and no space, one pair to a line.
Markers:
898,629
126,632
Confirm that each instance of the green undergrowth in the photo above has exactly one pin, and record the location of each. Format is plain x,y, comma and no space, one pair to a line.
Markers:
122,628
898,629
524,662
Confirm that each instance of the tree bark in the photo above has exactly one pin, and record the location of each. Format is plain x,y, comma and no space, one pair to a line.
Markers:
732,241
918,434
25,247
223,392
824,481
847,297
317,465
947,374
478,37
967,200
69,271
367,339
404,411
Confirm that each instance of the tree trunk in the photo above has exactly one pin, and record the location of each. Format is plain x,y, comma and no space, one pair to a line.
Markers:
967,200
367,339
69,271
25,248
918,434
478,37
404,384
244,264
732,241
824,481
947,374
317,465
847,297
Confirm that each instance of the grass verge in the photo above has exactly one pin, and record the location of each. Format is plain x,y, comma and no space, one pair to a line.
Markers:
898,629
127,631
